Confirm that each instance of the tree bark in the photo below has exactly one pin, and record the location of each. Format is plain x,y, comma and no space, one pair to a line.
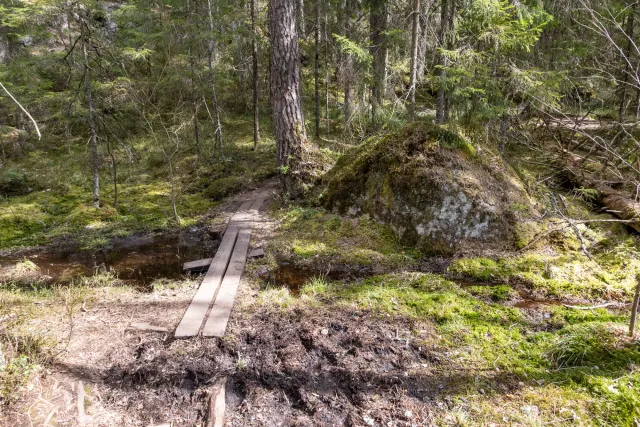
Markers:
114,172
423,40
254,61
93,137
326,73
317,69
286,103
348,66
300,19
378,18
440,72
214,97
414,60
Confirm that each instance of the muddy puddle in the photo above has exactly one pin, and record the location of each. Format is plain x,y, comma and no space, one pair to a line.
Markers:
295,277
138,260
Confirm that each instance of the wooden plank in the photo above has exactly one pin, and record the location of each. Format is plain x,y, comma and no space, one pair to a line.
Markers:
219,316
256,253
194,316
144,326
217,403
199,264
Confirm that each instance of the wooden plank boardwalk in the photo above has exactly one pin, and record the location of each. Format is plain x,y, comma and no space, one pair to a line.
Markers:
223,276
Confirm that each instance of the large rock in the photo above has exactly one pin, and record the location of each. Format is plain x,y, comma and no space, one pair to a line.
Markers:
434,189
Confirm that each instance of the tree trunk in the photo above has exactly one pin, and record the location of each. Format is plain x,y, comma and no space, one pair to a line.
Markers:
627,60
286,104
196,129
92,123
618,203
326,73
423,40
214,97
114,171
254,60
414,60
348,66
634,309
317,69
440,72
300,19
378,26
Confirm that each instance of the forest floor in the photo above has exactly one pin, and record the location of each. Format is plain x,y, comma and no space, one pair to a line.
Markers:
338,324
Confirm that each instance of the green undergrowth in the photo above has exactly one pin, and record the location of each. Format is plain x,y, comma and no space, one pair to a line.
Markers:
570,276
568,366
318,238
45,192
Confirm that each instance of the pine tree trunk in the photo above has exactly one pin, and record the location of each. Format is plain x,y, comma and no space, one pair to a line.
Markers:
317,69
214,97
414,60
254,60
326,74
440,72
196,130
378,26
348,66
93,137
423,40
286,103
300,18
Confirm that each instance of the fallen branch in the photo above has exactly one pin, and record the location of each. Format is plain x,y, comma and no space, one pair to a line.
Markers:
82,415
593,307
23,109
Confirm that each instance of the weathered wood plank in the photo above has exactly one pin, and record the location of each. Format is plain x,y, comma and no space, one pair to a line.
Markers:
144,326
199,264
219,316
217,403
194,316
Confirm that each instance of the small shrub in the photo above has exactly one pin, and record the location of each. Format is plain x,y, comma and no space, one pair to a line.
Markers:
15,182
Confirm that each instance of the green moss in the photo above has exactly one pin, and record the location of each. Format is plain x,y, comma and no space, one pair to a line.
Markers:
316,236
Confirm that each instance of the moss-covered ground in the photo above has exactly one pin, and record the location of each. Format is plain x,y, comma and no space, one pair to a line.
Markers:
46,192
536,365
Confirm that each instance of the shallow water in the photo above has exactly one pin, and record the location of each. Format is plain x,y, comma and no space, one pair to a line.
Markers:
138,260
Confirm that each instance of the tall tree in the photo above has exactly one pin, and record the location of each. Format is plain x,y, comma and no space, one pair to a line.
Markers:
347,73
93,136
378,20
442,61
254,63
316,74
414,59
214,97
286,105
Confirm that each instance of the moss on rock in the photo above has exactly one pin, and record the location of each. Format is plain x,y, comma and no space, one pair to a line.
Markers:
434,188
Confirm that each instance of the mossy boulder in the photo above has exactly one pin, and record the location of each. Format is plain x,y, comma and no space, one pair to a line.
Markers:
435,190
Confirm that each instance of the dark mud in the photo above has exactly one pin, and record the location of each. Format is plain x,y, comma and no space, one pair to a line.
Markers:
293,277
138,260
296,368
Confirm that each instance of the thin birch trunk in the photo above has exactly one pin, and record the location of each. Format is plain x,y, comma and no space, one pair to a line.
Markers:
414,60
92,124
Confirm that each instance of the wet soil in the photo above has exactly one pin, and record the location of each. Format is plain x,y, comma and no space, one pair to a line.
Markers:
293,277
138,260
